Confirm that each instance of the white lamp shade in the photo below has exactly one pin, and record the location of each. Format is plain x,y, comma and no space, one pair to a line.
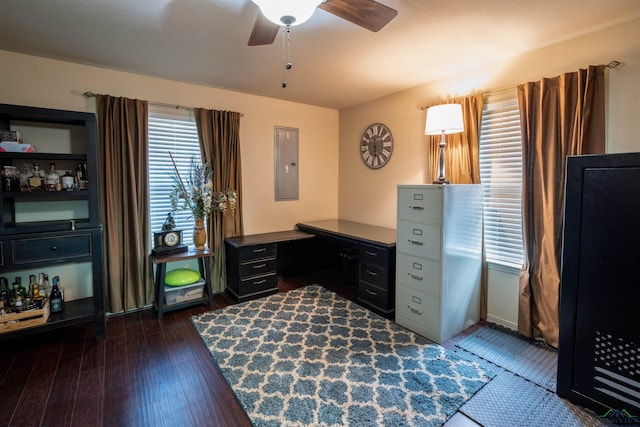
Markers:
444,119
278,11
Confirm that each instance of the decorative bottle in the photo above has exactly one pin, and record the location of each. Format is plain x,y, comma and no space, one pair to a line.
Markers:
4,291
53,179
55,299
36,180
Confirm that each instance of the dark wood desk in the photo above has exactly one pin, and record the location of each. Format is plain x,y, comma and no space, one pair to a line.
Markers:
371,249
203,258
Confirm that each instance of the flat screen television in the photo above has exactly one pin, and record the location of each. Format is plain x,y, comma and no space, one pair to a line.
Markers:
599,336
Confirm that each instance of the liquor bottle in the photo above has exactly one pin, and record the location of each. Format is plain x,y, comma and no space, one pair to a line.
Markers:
2,309
16,301
36,180
55,300
10,180
43,285
52,182
4,291
68,181
21,289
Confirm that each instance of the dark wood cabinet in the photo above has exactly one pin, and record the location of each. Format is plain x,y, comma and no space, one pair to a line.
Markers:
376,286
599,338
39,229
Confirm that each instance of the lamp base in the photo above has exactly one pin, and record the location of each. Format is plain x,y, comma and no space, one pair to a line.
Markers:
441,181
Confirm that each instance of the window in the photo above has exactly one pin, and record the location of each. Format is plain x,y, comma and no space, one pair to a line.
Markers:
170,130
501,176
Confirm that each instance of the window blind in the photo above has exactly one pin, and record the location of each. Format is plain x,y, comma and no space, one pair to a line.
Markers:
170,130
501,175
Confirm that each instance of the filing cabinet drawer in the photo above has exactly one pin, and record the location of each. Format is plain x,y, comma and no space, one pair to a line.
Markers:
374,296
420,274
418,311
50,248
420,204
265,250
374,276
422,240
258,284
371,254
258,267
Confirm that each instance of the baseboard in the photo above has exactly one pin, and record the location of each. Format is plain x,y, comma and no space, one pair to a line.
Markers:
502,322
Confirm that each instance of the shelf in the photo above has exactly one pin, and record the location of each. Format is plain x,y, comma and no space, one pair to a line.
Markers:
47,156
46,195
75,312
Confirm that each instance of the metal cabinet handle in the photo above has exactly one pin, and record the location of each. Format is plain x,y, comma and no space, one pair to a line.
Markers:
418,208
372,273
255,267
415,277
260,282
371,253
255,251
416,311
415,242
371,292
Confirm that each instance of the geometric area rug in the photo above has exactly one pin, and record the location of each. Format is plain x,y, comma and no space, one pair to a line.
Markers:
309,357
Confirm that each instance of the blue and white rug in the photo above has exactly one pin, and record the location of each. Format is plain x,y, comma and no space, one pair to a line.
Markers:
309,357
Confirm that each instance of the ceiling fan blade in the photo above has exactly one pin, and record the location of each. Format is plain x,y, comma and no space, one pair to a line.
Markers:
264,31
368,14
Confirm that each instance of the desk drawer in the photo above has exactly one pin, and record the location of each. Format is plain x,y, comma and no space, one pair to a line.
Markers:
264,250
258,267
39,249
374,296
258,284
373,254
374,276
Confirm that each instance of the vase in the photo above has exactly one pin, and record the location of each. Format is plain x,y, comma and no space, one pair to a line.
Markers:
199,234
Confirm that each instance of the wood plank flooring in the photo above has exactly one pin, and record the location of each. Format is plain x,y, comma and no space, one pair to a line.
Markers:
147,372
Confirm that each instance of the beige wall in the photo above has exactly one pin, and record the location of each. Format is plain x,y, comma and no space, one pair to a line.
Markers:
370,195
34,81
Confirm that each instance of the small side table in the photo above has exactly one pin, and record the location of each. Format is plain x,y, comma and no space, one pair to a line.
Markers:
203,258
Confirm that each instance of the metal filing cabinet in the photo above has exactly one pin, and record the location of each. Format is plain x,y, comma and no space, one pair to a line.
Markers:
439,258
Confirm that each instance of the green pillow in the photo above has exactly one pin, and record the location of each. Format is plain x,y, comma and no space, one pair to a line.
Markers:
181,277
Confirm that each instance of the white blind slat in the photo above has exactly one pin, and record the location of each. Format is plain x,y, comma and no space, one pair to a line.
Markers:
501,176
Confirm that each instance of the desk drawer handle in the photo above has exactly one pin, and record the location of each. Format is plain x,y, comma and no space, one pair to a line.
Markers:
260,282
371,253
54,248
255,251
255,267
375,294
415,277
372,273
416,311
416,242
418,208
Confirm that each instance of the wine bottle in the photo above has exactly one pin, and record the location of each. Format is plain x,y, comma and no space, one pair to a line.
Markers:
55,299
4,291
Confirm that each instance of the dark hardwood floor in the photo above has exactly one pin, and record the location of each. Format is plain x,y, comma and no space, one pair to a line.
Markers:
147,372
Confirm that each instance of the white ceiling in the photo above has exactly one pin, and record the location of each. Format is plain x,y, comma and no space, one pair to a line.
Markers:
335,63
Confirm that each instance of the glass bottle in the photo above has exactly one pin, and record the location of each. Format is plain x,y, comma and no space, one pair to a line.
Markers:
10,180
52,181
55,300
67,181
36,180
24,178
4,291
16,301
21,289
2,308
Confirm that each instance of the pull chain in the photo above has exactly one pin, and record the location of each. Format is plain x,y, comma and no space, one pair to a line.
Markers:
286,53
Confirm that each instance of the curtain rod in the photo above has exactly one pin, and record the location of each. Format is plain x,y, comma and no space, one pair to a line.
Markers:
614,65
90,94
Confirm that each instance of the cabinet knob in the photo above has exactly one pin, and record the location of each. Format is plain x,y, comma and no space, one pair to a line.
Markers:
54,248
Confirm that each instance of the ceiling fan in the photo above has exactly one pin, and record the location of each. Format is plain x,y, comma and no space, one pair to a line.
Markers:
368,14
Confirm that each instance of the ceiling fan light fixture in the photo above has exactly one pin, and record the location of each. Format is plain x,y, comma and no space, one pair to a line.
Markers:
287,12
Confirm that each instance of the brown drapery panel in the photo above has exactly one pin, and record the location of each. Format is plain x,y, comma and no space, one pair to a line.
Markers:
219,136
123,148
559,116
461,155
462,164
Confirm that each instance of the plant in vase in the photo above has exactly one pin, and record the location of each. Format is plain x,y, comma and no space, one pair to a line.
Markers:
196,194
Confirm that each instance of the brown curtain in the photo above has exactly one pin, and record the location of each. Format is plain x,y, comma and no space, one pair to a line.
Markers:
461,155
219,136
462,164
559,116
123,148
